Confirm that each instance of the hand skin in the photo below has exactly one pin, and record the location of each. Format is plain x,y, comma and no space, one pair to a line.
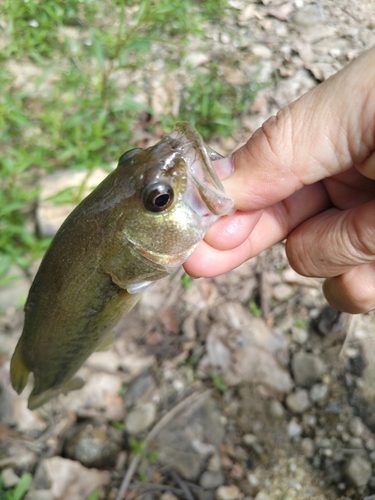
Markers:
307,176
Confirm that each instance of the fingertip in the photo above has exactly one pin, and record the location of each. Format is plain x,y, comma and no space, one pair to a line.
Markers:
231,231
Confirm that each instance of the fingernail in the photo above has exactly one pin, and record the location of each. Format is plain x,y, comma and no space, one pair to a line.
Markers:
223,167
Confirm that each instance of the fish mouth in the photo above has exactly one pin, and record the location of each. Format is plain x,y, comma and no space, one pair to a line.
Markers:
205,193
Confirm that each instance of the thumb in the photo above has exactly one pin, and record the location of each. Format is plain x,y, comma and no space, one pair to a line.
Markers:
323,133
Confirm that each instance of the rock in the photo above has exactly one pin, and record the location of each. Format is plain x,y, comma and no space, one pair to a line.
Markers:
294,430
282,292
187,441
307,368
214,463
100,394
309,15
356,427
319,393
254,364
299,335
9,477
298,401
358,471
141,418
94,445
262,496
140,390
65,478
39,495
211,480
228,493
307,447
275,409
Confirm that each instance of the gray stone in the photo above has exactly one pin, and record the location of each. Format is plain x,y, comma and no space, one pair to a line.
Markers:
140,390
294,430
211,480
298,401
141,418
319,393
356,427
231,492
282,292
307,447
275,409
309,15
39,495
94,445
214,463
188,441
256,365
299,335
307,368
9,477
358,471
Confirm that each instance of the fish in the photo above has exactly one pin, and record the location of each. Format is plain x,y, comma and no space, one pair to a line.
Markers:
136,227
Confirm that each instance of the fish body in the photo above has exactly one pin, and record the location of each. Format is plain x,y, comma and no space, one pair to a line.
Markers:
139,225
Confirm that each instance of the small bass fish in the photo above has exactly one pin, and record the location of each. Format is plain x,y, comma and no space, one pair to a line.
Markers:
139,225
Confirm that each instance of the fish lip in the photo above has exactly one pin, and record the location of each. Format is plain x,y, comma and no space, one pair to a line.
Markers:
206,183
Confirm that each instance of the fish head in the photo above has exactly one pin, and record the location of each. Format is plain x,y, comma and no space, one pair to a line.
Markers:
172,196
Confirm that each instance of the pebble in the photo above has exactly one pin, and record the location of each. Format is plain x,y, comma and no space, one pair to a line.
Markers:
93,445
211,480
9,477
299,335
228,493
140,419
214,463
282,292
356,427
298,401
275,409
294,429
358,471
319,393
307,368
308,447
39,495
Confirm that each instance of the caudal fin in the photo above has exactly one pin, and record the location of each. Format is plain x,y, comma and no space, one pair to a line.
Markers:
19,373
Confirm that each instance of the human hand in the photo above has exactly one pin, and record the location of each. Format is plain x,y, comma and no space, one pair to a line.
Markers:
308,175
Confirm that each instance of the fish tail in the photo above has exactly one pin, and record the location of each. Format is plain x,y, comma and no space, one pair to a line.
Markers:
19,373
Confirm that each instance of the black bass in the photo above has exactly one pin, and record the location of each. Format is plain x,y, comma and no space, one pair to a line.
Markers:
139,225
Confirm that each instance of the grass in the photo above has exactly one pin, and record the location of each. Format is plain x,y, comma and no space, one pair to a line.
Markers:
74,78
19,491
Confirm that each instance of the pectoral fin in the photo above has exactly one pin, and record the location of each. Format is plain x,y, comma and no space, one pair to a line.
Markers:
36,400
19,374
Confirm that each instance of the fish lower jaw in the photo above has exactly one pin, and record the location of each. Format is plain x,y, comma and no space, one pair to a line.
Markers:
167,262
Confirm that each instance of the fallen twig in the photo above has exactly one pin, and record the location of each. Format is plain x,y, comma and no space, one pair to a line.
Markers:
191,401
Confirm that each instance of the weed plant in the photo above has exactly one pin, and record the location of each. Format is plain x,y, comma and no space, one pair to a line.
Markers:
62,105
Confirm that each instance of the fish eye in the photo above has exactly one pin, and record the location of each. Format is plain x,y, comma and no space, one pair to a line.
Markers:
158,197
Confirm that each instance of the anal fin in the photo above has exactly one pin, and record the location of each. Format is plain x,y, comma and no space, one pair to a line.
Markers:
36,400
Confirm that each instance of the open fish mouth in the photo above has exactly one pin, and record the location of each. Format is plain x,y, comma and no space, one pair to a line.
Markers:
205,193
